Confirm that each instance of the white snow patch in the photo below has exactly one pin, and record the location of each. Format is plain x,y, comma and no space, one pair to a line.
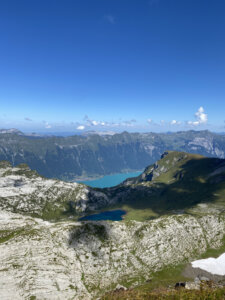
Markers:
212,265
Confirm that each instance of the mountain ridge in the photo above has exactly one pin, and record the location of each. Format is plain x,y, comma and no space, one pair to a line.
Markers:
77,156
25,191
178,181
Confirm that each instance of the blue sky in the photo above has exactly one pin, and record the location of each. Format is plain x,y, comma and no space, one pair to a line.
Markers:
136,65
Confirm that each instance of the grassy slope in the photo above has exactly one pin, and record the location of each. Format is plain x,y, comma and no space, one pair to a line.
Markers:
169,294
185,184
161,285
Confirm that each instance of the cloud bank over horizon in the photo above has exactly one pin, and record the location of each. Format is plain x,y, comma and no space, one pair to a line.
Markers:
199,121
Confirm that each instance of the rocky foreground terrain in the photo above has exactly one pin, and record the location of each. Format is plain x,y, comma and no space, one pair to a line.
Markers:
45,253
23,190
82,260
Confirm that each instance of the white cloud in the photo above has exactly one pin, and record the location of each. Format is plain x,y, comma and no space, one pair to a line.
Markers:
129,123
47,125
175,122
149,121
94,123
88,122
200,116
81,127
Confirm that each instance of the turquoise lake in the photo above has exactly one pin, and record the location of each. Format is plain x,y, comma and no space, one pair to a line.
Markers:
112,215
110,180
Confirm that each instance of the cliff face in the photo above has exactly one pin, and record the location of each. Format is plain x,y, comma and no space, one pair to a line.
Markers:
82,260
70,157
23,190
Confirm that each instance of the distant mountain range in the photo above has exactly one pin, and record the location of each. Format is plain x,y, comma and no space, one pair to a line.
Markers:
93,154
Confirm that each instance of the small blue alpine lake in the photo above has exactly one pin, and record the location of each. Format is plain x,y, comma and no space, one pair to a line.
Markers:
110,215
110,180
104,182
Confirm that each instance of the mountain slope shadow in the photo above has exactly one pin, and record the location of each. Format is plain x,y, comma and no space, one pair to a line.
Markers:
189,182
89,234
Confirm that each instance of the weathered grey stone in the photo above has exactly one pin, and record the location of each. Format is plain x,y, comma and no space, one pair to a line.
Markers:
70,260
192,285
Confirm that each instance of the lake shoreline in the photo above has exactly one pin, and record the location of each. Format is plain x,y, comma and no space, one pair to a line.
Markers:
107,215
90,178
108,181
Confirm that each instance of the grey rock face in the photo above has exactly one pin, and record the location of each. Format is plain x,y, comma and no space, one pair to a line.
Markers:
192,285
70,260
22,190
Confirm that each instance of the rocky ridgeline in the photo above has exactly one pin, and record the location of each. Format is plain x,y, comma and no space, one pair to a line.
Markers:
168,160
82,260
23,190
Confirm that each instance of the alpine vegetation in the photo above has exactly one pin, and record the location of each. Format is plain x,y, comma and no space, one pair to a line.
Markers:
46,252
